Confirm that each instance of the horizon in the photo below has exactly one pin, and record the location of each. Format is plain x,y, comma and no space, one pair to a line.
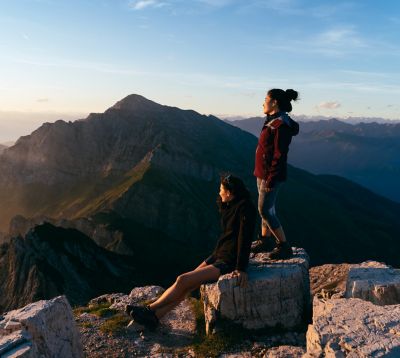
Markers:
30,121
342,57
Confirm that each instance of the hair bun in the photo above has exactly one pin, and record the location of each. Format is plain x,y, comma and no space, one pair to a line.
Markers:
291,94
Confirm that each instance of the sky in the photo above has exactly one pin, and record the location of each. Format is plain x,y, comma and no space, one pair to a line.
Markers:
65,59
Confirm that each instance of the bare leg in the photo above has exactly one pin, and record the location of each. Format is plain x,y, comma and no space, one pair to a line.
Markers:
163,310
279,234
265,231
169,289
183,285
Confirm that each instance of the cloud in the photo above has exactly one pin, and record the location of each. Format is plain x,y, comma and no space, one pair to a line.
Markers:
334,42
216,3
338,41
42,100
287,7
329,10
142,4
329,105
340,36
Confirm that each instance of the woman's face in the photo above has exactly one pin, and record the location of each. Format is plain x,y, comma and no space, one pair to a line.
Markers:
224,194
270,105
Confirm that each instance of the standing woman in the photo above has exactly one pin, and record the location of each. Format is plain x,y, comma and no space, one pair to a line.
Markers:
271,169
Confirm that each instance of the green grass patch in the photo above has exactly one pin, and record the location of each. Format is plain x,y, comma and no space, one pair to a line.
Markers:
115,325
86,324
228,337
100,310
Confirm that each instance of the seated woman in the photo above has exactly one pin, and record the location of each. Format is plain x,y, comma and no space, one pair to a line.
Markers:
231,254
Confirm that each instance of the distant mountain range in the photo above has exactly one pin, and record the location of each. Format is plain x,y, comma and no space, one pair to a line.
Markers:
305,118
141,179
367,153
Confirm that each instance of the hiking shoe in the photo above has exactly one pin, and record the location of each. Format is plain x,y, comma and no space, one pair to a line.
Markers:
263,244
282,251
143,315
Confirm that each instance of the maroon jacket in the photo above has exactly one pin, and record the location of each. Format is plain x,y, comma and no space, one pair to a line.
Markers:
273,146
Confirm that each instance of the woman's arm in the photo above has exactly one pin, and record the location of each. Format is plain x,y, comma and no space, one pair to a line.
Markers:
244,238
282,140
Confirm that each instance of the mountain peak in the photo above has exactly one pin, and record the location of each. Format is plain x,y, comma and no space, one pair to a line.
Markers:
136,102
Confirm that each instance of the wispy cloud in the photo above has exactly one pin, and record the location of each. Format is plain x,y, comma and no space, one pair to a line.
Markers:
216,3
338,41
328,10
340,36
287,7
335,42
328,105
142,4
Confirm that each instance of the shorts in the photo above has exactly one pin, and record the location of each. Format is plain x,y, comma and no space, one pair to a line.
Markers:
223,267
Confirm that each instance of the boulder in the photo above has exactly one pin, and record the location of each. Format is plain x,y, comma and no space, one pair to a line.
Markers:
179,323
353,328
41,329
138,295
277,294
375,282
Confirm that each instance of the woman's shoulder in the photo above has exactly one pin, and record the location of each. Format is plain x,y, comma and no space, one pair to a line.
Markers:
246,207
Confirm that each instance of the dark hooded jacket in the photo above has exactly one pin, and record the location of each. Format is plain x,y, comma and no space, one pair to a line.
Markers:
273,147
238,218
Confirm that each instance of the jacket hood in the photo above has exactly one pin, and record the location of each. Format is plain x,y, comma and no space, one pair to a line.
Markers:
293,125
236,201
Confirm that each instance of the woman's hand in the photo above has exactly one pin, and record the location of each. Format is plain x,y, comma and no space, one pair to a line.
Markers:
242,277
268,189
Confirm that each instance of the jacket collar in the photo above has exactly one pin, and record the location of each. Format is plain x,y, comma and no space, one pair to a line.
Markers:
270,117
229,204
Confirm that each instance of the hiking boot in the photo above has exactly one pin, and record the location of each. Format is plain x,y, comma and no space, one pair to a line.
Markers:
143,315
282,251
263,244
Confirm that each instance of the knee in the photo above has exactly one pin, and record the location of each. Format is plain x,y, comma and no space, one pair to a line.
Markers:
267,213
182,281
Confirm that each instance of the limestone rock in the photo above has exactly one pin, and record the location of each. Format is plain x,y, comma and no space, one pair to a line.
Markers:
277,293
138,295
353,328
179,322
284,352
375,282
40,329
329,280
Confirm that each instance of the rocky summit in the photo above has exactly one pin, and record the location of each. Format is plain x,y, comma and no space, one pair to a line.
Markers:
339,326
277,294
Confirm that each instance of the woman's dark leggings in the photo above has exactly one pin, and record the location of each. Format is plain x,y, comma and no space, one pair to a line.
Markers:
266,204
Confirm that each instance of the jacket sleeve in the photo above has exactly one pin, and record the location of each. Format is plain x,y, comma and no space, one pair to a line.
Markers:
281,146
211,258
245,236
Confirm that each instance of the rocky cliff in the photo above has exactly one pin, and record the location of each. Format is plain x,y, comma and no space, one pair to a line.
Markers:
49,261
